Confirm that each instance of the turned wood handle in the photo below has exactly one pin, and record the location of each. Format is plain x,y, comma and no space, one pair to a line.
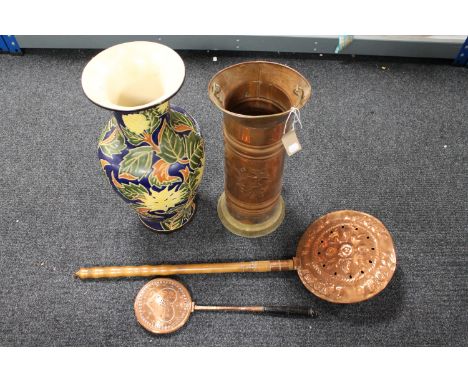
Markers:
290,311
166,270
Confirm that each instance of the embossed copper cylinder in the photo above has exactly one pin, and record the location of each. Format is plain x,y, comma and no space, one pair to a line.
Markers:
255,98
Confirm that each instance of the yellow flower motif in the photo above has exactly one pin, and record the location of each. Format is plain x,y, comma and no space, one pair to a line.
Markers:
162,108
162,200
136,123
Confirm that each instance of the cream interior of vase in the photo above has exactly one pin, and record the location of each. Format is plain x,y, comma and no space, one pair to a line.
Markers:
133,76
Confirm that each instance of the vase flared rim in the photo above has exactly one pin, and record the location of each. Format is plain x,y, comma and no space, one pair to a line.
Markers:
285,113
160,64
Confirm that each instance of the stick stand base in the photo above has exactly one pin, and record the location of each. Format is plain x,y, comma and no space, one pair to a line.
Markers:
250,230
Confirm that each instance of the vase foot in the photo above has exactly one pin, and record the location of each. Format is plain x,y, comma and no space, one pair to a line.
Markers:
250,230
171,224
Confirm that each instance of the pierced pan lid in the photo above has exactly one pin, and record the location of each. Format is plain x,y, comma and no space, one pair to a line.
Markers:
163,306
346,257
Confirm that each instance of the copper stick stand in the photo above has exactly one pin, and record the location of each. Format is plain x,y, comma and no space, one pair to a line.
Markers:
256,99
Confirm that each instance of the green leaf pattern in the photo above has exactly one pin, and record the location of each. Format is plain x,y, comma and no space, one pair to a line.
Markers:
194,180
116,145
109,125
195,150
183,146
180,119
137,162
132,191
180,218
153,116
153,121
171,145
133,138
155,182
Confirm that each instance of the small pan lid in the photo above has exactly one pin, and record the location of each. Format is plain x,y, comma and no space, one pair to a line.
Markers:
346,257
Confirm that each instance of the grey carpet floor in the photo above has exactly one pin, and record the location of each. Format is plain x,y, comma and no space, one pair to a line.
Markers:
391,142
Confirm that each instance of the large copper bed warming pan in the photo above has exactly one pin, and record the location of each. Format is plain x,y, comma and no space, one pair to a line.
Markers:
343,257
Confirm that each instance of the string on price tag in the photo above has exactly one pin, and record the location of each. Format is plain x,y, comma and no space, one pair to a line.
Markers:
289,139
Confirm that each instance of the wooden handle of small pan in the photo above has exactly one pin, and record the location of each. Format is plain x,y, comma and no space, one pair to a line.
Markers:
302,311
166,270
298,311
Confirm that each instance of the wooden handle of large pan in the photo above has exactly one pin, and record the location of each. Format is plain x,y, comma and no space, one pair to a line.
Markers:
166,270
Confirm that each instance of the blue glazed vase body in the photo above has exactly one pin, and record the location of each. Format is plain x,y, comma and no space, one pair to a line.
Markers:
154,159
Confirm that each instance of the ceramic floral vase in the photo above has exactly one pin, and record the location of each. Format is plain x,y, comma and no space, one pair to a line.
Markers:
151,152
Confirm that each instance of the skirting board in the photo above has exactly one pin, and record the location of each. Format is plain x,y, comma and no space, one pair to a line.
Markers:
403,46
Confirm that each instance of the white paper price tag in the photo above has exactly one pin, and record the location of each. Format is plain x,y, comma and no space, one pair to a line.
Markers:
289,139
291,143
